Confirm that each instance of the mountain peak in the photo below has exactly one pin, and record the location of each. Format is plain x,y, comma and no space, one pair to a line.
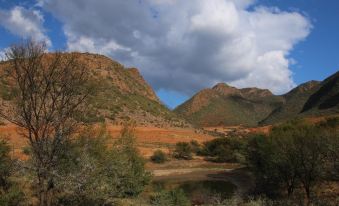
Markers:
256,92
225,89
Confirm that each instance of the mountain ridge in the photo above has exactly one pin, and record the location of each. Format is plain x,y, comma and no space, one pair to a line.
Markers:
118,94
226,105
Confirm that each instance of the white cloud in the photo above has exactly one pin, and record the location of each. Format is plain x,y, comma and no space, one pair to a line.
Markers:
188,45
25,23
2,55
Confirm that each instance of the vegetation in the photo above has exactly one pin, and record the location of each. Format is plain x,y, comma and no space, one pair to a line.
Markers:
170,198
159,157
94,173
46,97
295,155
10,194
224,150
183,150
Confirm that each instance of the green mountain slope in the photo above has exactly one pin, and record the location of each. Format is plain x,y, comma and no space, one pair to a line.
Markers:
293,103
326,99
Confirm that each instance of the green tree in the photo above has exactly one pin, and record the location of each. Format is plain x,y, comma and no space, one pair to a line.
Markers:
294,154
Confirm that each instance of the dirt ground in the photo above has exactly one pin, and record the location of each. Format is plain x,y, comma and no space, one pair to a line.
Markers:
148,139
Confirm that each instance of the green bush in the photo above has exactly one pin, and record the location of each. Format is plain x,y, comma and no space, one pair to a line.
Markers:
13,196
170,198
183,150
93,171
224,150
159,157
10,194
196,147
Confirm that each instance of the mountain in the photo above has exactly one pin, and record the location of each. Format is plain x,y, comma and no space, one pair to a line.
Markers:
226,105
326,99
118,94
293,103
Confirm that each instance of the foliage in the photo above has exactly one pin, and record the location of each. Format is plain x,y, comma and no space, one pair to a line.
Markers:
295,154
158,157
5,164
224,149
13,196
196,147
94,172
48,90
10,194
183,150
170,198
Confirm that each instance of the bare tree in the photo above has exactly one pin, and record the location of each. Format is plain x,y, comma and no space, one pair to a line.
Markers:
48,92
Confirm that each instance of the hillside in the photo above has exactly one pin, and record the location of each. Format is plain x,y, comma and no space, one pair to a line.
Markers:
326,99
293,103
226,105
117,94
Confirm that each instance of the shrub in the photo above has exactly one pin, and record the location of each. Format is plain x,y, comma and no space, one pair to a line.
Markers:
170,198
224,150
5,164
159,157
10,194
93,172
196,147
183,150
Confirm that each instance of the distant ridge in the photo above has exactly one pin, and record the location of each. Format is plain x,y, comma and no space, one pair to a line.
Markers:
293,104
227,105
326,98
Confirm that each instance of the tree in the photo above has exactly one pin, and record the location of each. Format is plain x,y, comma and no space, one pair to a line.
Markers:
295,154
48,91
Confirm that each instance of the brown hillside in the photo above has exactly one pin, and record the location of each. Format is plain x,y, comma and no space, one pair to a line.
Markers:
118,94
226,105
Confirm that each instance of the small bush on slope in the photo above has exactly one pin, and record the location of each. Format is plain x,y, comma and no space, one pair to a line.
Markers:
183,150
159,157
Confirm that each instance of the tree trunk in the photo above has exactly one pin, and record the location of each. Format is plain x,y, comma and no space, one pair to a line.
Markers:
45,196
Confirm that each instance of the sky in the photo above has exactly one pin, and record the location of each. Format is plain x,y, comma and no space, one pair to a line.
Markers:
181,47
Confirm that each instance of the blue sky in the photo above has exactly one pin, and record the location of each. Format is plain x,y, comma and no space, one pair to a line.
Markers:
182,47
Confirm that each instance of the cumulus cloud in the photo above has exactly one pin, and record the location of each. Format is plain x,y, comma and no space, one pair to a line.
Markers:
25,23
188,45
